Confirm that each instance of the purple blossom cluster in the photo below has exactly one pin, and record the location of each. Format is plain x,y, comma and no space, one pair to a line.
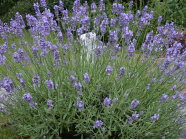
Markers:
28,98
107,101
155,117
134,103
49,104
98,124
80,104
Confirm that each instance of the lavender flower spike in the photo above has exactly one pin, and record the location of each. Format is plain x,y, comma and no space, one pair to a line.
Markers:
107,102
135,116
36,80
50,84
155,117
108,70
86,78
98,124
80,105
50,105
134,103
27,97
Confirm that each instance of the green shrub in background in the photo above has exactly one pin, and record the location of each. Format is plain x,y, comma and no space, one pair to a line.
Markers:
171,10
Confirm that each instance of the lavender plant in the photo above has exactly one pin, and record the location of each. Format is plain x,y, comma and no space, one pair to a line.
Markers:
54,90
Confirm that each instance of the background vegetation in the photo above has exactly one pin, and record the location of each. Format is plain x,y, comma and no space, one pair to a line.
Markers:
171,10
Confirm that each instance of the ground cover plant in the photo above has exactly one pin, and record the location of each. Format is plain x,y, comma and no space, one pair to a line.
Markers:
121,90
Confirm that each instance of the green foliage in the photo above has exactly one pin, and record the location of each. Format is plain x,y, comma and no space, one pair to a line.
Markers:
7,132
23,7
170,10
176,12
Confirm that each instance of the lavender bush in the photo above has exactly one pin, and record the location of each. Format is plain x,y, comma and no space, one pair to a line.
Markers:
54,90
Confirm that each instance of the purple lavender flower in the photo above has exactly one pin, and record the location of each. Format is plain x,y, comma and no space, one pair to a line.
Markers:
155,117
16,57
93,7
23,83
115,100
19,75
79,87
112,22
34,52
138,14
108,70
159,20
173,88
69,34
72,79
130,121
121,72
123,19
14,46
21,56
103,26
61,6
60,37
130,4
43,3
135,116
113,37
50,84
50,74
86,78
36,80
49,104
134,103
115,9
148,86
27,97
131,50
120,9
126,95
80,105
141,112
101,6
98,124
2,59
56,10
107,102
175,96
8,85
164,98
33,104
57,56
